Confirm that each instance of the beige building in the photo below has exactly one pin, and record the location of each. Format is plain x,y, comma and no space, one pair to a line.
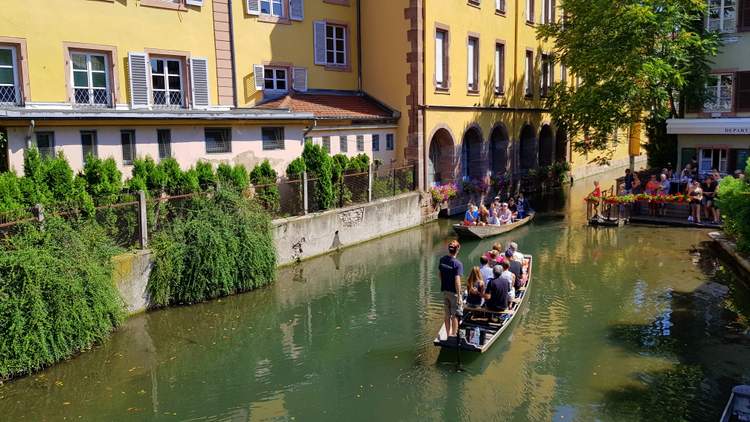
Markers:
717,135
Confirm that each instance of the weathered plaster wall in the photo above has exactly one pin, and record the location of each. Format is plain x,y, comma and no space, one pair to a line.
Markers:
131,274
315,234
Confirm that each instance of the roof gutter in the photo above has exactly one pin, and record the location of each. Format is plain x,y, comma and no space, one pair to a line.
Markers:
232,58
359,46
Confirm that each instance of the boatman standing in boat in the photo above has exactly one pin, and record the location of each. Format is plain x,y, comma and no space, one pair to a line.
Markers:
451,271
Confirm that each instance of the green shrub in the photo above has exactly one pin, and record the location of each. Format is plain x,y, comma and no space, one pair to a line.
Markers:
267,195
295,169
11,196
103,179
733,199
233,177
223,246
146,175
171,176
359,164
319,166
206,176
56,294
338,166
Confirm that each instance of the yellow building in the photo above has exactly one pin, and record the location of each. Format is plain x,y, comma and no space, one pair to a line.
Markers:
477,78
457,87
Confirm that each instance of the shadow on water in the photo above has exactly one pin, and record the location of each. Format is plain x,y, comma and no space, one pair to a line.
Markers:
705,336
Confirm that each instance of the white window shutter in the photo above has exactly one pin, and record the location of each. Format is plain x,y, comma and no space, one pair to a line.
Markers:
299,79
139,80
194,2
320,42
258,75
199,75
296,10
253,7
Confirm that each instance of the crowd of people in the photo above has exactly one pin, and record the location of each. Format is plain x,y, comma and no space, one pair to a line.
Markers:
700,189
491,285
498,212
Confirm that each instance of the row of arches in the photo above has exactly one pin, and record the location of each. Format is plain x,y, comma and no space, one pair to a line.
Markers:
542,150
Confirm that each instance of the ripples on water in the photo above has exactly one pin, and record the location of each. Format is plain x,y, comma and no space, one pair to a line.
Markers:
621,324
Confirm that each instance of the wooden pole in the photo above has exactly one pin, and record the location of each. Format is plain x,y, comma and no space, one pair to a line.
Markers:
142,220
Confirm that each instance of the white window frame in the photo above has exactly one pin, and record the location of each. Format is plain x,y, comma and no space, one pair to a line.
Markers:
441,80
499,68
16,81
275,80
167,90
723,154
547,11
528,77
90,78
547,77
530,11
720,23
334,38
714,105
472,64
271,4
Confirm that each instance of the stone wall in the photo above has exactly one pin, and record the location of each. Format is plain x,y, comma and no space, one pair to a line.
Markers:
296,239
303,237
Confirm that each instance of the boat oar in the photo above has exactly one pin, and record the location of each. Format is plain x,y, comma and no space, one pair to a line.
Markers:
458,348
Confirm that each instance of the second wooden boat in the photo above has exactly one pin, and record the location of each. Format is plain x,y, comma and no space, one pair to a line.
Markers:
738,406
482,232
485,327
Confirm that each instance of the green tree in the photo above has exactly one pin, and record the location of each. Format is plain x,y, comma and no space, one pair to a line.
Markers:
263,177
634,59
319,165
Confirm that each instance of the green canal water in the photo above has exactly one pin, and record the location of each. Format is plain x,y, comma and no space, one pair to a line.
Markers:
628,324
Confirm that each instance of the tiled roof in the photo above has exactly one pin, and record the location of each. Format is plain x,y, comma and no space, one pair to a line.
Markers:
346,105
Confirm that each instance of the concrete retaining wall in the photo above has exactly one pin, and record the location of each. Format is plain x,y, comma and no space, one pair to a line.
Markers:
303,237
592,170
295,238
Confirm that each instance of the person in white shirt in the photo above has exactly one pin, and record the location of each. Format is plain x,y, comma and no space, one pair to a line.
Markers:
486,269
517,256
505,215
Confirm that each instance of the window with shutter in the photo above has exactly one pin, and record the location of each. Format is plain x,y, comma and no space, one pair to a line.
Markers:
253,7
259,76
299,79
138,76
296,10
743,91
199,74
319,29
9,83
275,79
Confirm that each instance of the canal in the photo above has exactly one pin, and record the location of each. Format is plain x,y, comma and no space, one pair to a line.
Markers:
628,324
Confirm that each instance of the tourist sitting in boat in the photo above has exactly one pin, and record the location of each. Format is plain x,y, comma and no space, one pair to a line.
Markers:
494,211
513,247
486,267
475,287
506,216
512,207
494,258
484,215
522,206
471,217
497,293
451,271
510,278
516,267
595,201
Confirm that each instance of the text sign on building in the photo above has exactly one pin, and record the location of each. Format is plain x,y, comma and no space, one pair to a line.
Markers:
737,130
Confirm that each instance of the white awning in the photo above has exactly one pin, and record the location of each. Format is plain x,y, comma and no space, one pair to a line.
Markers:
720,126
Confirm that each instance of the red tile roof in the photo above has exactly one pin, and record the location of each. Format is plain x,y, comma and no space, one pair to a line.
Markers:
331,106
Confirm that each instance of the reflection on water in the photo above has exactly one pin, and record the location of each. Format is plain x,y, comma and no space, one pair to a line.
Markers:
635,323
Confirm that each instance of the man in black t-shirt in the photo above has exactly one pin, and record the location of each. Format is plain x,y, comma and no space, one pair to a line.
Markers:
497,292
709,194
451,271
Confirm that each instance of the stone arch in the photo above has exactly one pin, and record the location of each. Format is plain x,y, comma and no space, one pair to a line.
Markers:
498,150
546,146
472,165
441,158
528,148
561,145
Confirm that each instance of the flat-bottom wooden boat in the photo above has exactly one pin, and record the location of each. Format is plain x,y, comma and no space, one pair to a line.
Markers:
484,327
738,406
482,232
608,222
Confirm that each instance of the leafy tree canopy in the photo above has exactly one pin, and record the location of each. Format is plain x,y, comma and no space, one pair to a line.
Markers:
632,59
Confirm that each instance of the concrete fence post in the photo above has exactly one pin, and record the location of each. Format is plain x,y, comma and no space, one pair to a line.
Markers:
142,220
369,183
38,212
304,192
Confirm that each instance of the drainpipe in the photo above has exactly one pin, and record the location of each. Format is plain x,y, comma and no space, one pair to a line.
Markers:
359,47
231,49
423,102
29,135
515,161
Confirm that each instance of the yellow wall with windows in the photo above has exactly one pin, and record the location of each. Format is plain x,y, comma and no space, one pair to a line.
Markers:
291,43
124,24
